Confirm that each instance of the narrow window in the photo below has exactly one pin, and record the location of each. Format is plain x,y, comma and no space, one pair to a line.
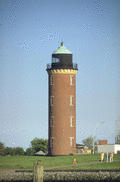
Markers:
52,121
52,100
51,80
71,100
71,79
71,121
51,142
71,141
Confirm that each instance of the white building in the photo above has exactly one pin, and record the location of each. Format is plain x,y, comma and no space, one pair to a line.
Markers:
115,148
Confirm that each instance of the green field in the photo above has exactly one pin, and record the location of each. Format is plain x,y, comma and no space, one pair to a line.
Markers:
61,162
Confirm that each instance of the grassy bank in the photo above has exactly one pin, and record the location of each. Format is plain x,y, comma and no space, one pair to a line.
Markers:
61,162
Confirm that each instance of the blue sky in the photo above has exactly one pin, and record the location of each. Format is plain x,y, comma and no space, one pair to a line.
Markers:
29,32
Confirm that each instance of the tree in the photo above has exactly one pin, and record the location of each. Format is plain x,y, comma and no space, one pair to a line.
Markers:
89,142
10,151
19,151
39,144
2,149
30,151
14,151
1,146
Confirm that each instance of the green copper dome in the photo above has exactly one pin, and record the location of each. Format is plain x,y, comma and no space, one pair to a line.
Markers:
62,50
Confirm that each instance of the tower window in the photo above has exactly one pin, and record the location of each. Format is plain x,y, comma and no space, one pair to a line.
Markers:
51,80
71,121
71,141
52,121
71,100
51,142
71,79
55,60
52,100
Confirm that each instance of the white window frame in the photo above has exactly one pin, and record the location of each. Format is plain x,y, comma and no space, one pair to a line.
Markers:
71,100
71,121
71,80
51,100
71,141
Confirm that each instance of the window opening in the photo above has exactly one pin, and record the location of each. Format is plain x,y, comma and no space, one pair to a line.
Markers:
71,121
55,60
52,100
51,80
71,79
52,142
71,141
71,100
52,121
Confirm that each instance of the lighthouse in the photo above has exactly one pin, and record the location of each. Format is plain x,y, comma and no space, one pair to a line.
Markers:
62,103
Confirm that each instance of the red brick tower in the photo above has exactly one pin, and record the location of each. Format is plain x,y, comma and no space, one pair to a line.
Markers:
62,103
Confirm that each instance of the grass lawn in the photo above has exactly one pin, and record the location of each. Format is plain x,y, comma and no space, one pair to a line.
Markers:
60,162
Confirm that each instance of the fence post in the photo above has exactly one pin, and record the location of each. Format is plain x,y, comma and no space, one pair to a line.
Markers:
38,172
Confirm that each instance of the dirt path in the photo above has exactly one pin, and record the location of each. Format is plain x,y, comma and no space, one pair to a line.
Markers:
72,165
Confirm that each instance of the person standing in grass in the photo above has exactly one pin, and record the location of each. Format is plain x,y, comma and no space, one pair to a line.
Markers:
111,157
74,161
107,156
102,157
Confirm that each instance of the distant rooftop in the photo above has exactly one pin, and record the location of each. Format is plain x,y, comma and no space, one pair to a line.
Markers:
62,50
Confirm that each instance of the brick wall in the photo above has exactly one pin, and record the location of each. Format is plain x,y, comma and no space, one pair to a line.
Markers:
62,114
